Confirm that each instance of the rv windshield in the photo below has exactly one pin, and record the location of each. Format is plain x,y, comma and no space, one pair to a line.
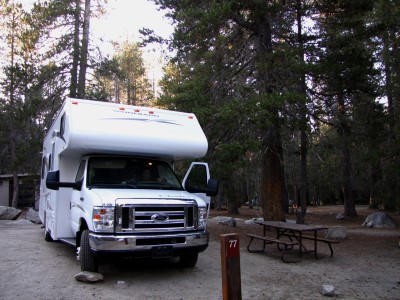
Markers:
129,172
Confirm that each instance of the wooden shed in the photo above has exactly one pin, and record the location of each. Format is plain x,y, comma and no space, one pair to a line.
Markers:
28,189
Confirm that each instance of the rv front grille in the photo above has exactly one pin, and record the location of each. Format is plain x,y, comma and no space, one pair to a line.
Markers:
155,218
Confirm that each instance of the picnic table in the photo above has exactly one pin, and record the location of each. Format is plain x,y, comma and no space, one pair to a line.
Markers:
289,235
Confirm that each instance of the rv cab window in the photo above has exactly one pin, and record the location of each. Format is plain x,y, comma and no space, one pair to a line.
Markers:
130,172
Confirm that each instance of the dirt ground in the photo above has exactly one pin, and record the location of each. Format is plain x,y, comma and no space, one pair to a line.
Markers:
366,265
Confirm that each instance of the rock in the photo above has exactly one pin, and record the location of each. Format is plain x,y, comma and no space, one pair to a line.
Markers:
337,233
33,216
9,213
379,220
122,284
229,221
251,221
20,222
91,277
340,217
328,290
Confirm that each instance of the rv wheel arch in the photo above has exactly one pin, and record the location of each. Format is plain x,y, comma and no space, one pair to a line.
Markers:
83,226
47,235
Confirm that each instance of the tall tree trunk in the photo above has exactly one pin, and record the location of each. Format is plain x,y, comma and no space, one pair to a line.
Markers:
374,175
75,55
84,52
387,62
347,180
233,195
303,180
391,62
303,137
349,205
128,92
14,202
12,115
271,179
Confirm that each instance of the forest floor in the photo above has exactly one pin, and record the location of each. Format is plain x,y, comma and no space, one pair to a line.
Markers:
365,265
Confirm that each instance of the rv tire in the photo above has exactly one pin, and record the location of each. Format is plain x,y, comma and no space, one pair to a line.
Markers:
86,257
188,260
47,236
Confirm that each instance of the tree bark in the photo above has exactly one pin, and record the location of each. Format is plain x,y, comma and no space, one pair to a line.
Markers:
75,55
347,180
84,52
12,114
14,202
303,147
271,179
232,194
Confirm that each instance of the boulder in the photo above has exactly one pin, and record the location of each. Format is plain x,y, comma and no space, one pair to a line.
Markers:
91,277
20,222
121,284
379,220
337,233
33,216
229,221
328,290
340,217
9,213
251,221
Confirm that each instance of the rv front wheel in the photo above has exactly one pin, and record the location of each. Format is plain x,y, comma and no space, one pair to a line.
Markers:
188,260
86,257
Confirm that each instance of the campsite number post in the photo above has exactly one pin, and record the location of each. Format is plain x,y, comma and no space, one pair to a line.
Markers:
230,267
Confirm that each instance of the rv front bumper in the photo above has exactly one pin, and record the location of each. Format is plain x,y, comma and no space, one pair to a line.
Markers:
178,242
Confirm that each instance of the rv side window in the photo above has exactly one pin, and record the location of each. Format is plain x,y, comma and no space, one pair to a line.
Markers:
197,178
81,171
62,125
44,167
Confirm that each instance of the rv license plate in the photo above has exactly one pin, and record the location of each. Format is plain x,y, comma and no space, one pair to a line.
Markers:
161,251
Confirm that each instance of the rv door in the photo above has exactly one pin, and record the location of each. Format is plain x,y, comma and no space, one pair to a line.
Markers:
198,181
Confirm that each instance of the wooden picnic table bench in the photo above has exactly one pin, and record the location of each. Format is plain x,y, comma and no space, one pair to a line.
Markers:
296,234
266,240
318,239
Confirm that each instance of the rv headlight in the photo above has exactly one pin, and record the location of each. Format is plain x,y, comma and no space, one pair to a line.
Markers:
202,217
103,219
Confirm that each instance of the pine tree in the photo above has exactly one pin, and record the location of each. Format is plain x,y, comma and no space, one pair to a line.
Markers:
346,77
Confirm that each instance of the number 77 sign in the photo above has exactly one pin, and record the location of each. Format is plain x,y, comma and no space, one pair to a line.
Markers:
230,267
232,249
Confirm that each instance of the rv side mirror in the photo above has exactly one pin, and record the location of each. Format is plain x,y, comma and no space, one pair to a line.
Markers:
53,180
212,187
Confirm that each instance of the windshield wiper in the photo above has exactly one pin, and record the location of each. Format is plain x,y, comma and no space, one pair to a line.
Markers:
127,184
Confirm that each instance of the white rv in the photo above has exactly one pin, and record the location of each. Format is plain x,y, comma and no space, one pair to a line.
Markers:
108,185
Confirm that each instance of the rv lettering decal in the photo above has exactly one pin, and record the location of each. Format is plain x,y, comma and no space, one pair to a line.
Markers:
137,113
145,120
